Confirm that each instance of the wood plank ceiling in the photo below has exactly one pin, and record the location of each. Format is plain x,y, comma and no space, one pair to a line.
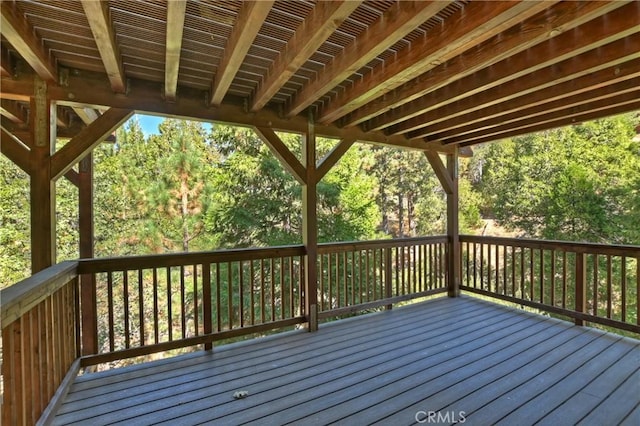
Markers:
418,74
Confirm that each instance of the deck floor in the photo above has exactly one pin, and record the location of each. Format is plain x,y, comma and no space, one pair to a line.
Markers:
440,361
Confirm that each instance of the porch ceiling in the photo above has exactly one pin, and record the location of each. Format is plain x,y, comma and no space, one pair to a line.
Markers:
414,74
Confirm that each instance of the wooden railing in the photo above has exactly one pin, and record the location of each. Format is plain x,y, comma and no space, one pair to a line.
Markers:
147,304
94,311
587,282
362,275
40,341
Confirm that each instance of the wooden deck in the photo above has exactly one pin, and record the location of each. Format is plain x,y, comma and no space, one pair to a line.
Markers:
443,361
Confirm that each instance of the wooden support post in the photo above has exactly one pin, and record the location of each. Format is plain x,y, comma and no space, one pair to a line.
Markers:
453,231
43,201
310,228
87,281
581,286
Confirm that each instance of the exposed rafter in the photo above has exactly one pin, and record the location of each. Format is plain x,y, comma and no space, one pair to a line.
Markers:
6,63
562,16
23,38
568,45
602,57
87,115
604,83
175,25
250,18
397,22
86,140
100,21
323,20
13,111
477,22
571,114
612,107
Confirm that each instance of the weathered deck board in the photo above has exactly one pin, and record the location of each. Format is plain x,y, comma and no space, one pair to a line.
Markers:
495,364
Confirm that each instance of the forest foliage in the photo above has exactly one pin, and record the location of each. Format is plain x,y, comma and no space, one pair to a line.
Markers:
192,188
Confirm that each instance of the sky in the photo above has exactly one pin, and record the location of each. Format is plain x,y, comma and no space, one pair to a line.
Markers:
150,123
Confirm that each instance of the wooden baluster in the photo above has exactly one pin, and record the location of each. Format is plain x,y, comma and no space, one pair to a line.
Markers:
595,285
609,286
206,302
580,286
196,328
183,311
141,306
110,311
230,310
553,277
156,325
387,275
623,288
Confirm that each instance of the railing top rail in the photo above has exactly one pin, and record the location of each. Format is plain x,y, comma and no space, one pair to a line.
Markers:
24,295
112,264
569,246
376,244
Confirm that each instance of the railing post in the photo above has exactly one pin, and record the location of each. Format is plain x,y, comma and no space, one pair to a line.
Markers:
454,262
310,227
580,287
387,276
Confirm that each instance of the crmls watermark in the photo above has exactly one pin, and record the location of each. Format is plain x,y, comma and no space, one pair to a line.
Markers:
435,417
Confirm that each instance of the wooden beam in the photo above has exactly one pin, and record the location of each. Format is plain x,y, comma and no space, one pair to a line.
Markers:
440,171
87,115
99,18
470,26
322,21
612,110
250,18
13,111
86,237
282,153
393,25
15,150
62,117
73,177
556,75
6,62
42,187
454,264
310,228
176,11
526,108
617,25
562,16
591,111
83,143
21,35
93,90
333,157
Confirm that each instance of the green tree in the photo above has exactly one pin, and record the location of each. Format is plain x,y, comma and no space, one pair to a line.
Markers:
178,199
575,183
15,247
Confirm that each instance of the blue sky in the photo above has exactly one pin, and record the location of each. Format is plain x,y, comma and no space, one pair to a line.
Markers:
149,123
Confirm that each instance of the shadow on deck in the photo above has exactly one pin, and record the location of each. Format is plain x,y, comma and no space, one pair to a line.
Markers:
441,361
